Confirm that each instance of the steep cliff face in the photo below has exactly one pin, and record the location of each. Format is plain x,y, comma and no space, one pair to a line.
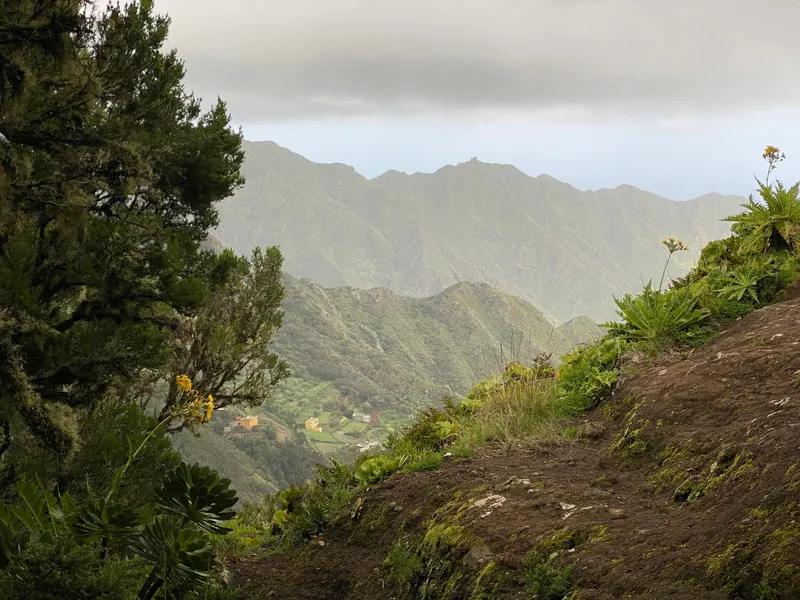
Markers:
685,484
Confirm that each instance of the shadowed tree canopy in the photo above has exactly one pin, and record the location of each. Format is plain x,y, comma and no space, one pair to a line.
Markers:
109,175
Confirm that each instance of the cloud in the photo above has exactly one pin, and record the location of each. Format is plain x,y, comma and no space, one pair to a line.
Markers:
287,59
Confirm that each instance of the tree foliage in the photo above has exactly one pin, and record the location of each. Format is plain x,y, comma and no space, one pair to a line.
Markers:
224,347
109,176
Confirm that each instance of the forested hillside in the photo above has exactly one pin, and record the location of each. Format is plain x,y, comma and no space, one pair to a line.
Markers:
403,353
373,352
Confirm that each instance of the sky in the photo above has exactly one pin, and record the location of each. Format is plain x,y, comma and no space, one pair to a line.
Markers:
678,97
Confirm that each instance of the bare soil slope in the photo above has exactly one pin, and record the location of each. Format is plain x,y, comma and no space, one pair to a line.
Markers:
684,485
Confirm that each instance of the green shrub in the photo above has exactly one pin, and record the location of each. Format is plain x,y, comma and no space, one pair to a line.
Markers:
517,414
479,393
718,254
771,224
66,570
588,373
179,553
657,317
104,446
427,462
302,512
375,470
432,430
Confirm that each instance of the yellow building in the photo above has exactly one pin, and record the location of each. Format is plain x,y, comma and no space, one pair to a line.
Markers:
247,422
312,424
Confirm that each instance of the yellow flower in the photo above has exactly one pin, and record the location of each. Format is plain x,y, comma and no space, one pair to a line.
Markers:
209,407
184,383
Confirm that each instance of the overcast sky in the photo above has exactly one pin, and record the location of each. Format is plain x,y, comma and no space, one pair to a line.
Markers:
675,96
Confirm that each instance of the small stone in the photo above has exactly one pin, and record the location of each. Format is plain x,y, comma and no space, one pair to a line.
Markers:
398,508
617,513
477,557
592,431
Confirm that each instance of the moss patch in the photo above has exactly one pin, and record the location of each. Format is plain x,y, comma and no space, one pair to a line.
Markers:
548,579
630,441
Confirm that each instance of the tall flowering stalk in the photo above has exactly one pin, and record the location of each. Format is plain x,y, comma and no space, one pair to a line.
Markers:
195,411
773,156
673,246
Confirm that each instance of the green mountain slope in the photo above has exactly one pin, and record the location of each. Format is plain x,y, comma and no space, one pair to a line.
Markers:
565,250
354,350
397,352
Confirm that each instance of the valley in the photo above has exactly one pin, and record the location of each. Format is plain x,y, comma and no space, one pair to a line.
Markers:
372,355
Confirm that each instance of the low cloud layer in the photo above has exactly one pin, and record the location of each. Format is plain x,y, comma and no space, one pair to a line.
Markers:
288,59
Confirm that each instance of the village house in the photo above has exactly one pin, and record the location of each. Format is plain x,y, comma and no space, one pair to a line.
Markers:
361,417
312,424
243,427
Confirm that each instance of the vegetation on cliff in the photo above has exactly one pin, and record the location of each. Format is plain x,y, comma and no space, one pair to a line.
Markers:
440,550
117,331
115,328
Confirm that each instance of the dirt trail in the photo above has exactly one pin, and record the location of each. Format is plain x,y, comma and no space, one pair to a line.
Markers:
692,470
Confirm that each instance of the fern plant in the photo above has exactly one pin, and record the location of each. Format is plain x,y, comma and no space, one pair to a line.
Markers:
743,281
38,513
773,224
656,316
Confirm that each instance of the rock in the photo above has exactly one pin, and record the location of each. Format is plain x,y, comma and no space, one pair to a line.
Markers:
477,557
617,513
592,430
490,501
397,508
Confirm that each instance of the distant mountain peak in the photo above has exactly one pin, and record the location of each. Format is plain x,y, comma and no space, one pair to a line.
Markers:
565,250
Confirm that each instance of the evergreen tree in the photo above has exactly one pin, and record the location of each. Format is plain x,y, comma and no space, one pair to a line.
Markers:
109,175
224,348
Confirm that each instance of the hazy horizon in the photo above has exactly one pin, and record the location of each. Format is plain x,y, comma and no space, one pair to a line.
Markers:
365,165
678,98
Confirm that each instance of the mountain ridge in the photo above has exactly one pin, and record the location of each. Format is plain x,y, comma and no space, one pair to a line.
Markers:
399,352
476,160
534,237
